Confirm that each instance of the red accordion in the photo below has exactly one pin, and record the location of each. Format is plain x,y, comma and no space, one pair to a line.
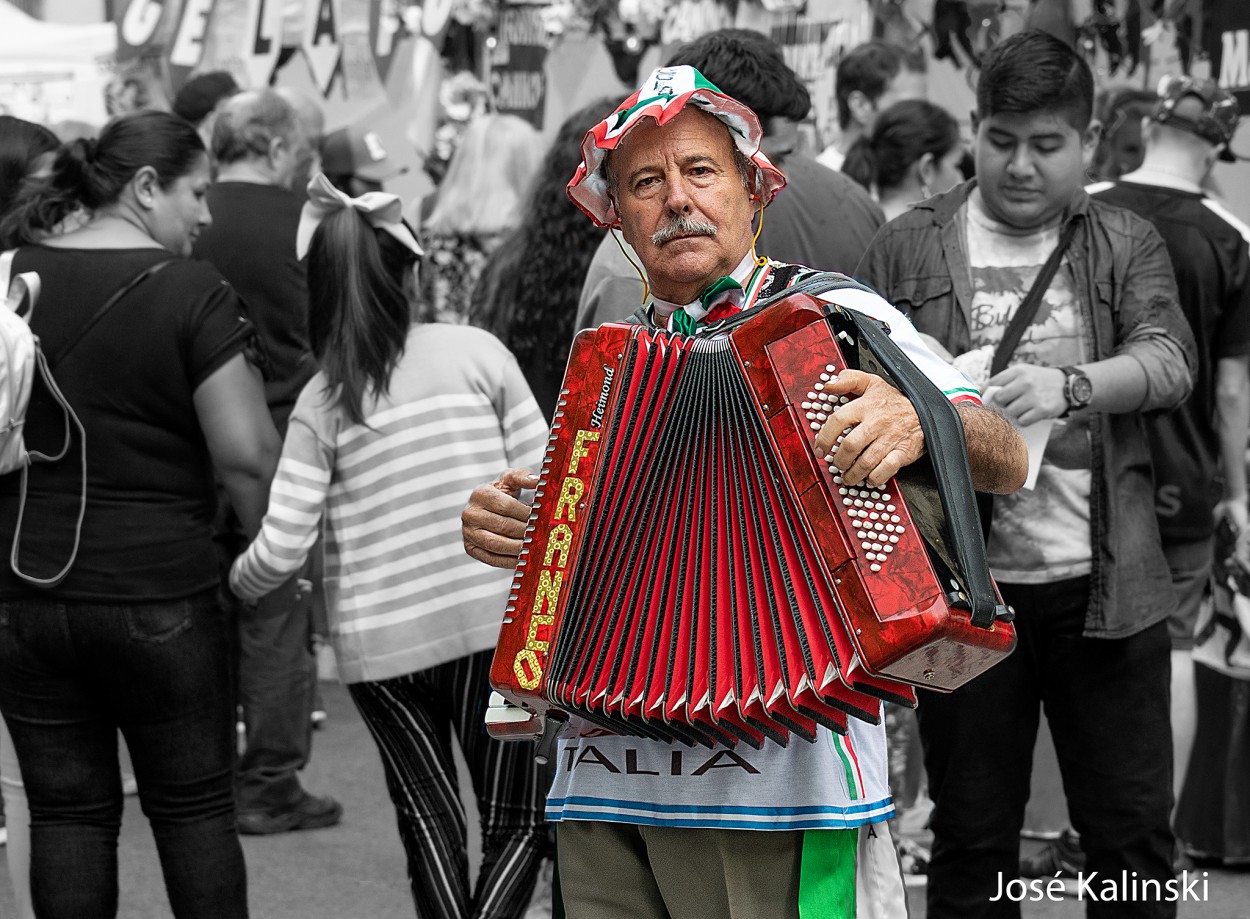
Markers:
692,571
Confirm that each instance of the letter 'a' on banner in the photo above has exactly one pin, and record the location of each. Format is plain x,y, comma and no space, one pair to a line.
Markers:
320,42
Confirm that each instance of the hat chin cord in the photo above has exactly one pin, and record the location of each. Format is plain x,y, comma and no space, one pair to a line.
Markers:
646,288
759,260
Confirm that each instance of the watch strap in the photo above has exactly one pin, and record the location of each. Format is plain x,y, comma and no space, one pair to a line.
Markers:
1070,376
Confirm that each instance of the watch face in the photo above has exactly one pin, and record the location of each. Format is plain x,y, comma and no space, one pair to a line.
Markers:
1082,389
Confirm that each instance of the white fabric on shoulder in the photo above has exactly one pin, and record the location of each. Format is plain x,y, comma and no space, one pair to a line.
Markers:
956,386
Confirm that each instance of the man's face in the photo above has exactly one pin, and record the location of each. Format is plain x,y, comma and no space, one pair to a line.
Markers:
684,169
1124,149
1030,166
906,85
781,138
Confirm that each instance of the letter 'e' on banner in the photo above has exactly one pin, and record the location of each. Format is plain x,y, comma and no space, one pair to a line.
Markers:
188,45
321,40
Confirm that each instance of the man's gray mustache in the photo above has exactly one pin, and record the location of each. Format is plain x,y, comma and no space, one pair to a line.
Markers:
681,225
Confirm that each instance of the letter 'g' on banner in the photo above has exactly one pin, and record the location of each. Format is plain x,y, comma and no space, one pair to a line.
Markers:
138,24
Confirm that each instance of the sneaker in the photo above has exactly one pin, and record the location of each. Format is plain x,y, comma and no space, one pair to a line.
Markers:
310,813
1061,858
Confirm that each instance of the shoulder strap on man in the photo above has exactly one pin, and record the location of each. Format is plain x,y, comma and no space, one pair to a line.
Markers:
1032,300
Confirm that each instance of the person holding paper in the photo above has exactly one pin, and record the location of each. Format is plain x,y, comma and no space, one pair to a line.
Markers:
1067,308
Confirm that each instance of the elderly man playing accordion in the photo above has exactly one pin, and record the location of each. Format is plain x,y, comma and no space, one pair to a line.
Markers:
649,829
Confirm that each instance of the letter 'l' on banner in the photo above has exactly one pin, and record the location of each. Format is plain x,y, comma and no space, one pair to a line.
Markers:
322,24
264,40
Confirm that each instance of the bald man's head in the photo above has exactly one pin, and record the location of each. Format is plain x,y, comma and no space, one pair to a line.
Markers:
263,130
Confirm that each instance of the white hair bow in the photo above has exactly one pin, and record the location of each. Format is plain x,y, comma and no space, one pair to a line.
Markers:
383,211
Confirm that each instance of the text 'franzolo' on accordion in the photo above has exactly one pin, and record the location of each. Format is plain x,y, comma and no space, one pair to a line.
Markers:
693,572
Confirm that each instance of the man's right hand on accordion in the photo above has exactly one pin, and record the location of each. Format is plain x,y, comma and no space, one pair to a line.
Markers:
883,435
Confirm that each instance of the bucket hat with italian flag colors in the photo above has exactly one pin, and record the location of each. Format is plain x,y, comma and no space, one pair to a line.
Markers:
665,93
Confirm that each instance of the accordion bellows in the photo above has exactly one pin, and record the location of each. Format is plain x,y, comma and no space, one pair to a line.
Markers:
693,572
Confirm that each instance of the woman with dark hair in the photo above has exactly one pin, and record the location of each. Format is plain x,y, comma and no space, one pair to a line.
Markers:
25,151
528,292
914,152
384,442
109,616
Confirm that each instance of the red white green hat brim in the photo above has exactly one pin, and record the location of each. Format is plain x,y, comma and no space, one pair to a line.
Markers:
661,97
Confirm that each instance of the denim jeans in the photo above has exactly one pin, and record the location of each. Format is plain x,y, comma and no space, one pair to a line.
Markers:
277,681
72,674
1106,701
277,685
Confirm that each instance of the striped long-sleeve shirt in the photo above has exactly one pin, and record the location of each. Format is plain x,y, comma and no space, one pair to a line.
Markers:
401,594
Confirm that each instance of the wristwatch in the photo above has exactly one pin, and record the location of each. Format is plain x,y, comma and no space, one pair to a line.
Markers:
1077,389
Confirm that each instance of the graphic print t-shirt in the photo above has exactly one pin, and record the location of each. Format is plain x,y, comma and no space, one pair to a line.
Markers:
1037,535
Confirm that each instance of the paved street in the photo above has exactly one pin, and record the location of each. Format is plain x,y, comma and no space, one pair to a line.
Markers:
356,870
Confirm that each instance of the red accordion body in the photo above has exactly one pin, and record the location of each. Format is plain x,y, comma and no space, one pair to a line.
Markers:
692,571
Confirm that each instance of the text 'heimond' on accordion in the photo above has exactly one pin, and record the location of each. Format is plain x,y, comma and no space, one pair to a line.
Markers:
691,571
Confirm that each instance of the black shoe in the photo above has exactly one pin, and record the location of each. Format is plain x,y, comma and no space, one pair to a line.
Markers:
310,813
1062,857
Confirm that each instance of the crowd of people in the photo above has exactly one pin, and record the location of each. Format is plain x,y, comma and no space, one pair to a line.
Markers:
289,400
